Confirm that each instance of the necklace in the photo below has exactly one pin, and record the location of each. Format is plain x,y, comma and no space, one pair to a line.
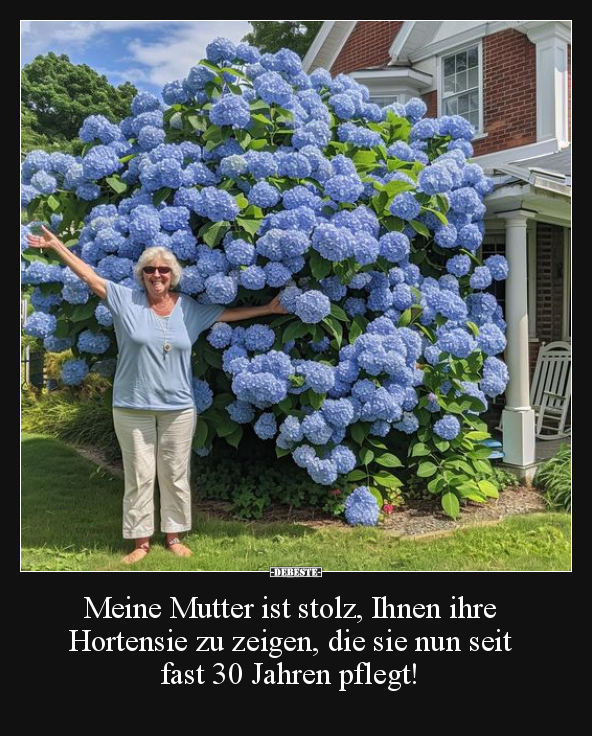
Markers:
166,345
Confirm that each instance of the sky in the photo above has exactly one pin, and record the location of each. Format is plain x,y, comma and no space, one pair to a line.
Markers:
147,53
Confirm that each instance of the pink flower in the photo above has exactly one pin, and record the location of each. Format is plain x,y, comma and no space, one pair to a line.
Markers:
336,492
388,508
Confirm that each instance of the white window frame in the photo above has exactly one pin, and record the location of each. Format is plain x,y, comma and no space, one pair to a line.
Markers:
452,52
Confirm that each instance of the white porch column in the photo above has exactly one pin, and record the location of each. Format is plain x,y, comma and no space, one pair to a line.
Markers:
551,39
518,417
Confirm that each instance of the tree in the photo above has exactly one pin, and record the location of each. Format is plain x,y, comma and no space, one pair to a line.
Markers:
59,95
272,35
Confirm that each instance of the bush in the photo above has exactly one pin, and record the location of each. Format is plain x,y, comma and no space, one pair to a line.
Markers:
261,178
554,479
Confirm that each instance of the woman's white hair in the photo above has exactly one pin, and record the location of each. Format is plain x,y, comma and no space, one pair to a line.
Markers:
158,253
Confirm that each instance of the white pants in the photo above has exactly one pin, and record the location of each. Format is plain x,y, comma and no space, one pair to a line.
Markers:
155,443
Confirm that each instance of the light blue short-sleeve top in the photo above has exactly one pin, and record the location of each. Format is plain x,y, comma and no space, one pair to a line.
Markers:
147,375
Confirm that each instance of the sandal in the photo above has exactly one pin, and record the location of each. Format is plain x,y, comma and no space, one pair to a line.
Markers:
133,557
178,548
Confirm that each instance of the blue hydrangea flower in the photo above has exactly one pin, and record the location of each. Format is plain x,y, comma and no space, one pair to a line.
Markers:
447,428
312,306
74,372
361,508
405,206
266,426
498,267
203,394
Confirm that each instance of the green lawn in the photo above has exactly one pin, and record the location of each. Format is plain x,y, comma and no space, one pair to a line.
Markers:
71,517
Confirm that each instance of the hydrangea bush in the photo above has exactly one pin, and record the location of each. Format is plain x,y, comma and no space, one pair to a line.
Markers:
261,178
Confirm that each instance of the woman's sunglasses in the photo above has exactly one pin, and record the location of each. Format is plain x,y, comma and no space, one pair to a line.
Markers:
154,269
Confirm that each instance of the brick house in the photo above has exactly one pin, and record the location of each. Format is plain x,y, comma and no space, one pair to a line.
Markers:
512,80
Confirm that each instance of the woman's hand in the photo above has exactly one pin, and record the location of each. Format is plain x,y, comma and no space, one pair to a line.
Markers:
276,307
47,240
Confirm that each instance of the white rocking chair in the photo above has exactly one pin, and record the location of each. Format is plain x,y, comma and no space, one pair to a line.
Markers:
550,391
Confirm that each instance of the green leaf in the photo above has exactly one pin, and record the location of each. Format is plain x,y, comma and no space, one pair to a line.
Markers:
404,319
477,436
334,328
356,475
338,313
213,234
420,228
316,400
280,452
225,428
241,201
388,460
201,434
294,330
387,480
377,495
83,311
358,433
116,184
442,445
474,329
319,266
235,438
354,332
420,450
160,195
364,157
251,226
437,213
427,469
436,484
450,504
366,456
487,487
53,203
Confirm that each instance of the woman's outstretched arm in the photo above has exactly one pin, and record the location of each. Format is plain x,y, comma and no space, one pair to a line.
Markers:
237,313
90,277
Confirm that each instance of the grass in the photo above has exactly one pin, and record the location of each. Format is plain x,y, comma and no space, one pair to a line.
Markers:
71,515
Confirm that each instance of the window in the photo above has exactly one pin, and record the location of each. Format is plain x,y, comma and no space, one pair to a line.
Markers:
461,87
384,100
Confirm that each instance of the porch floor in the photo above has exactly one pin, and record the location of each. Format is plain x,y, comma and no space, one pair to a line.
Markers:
545,449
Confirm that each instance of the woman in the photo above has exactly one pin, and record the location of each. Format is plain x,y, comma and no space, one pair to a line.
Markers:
153,405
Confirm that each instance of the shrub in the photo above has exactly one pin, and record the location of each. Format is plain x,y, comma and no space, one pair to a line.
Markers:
261,178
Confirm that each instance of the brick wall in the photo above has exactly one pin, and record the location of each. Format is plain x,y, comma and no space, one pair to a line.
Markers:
509,92
431,100
368,45
550,269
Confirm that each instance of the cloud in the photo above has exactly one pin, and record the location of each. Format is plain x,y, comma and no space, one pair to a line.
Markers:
176,52
40,36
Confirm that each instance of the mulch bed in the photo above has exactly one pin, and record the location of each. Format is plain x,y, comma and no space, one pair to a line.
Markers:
416,519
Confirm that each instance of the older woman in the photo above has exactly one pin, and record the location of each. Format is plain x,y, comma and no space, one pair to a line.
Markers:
153,405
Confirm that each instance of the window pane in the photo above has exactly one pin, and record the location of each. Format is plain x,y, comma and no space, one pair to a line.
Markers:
449,66
449,85
463,104
461,61
473,78
450,106
473,56
461,82
474,101
473,117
